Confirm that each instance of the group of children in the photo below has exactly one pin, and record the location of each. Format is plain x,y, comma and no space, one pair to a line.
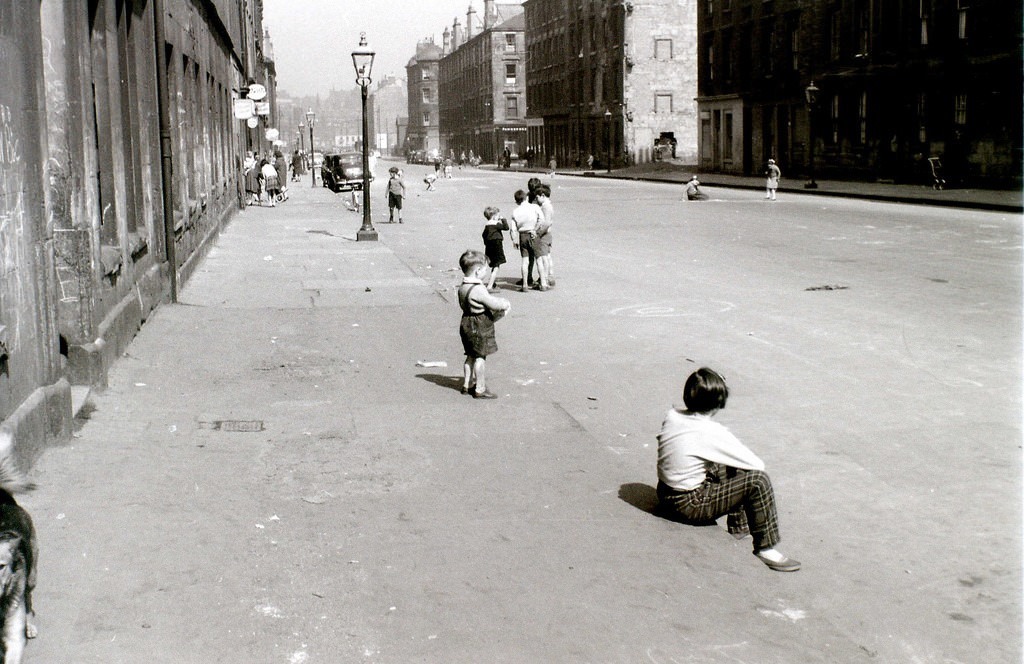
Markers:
266,176
704,471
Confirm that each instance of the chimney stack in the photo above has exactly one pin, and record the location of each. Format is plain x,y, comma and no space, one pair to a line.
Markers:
489,14
456,35
447,41
470,20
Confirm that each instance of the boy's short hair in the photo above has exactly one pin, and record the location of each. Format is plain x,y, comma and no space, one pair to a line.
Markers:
519,196
544,190
533,183
471,259
705,391
490,211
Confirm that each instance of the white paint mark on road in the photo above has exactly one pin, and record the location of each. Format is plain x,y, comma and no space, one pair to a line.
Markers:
784,613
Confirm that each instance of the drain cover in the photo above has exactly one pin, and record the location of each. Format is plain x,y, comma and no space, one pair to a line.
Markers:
237,426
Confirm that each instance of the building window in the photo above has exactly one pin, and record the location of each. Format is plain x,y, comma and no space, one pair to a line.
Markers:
862,28
727,138
711,7
425,73
426,95
862,116
663,103
835,119
662,49
794,48
835,34
922,109
960,110
511,107
924,12
426,118
711,62
510,42
961,28
510,73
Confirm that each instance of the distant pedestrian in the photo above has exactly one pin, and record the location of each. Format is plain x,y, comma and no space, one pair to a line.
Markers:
429,180
296,166
693,192
590,162
494,242
448,168
270,183
774,174
552,167
476,329
252,179
281,166
705,472
396,192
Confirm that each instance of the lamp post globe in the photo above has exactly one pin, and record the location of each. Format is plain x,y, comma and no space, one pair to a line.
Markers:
362,61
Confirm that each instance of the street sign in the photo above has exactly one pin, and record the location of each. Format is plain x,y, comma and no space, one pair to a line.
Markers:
257,91
252,123
272,133
244,109
263,108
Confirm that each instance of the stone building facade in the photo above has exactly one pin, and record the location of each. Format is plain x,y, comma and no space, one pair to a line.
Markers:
896,83
119,162
611,79
387,106
482,77
422,79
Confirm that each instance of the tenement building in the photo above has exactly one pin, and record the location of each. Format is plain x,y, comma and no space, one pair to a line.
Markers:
424,122
612,79
119,163
483,84
862,88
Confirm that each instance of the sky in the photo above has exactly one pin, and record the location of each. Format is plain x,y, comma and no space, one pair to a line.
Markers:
313,39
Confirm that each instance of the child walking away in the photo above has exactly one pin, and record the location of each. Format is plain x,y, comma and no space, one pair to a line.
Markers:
772,183
396,192
705,472
479,311
494,242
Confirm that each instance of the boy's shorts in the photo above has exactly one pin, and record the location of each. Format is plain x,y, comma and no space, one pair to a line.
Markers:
394,201
528,246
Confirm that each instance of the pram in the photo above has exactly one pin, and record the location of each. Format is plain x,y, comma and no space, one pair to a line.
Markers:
938,182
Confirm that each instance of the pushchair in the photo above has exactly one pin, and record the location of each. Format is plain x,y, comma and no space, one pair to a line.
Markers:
938,181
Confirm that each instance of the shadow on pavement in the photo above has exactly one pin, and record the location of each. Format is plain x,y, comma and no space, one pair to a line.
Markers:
645,498
451,382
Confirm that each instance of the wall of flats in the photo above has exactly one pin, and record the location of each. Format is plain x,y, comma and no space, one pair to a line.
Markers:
119,163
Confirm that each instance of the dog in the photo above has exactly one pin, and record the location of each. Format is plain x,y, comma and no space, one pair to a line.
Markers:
18,554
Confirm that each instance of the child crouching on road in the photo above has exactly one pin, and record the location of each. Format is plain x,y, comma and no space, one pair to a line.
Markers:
479,311
705,472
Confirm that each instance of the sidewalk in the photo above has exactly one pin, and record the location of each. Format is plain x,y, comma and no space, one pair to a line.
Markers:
997,200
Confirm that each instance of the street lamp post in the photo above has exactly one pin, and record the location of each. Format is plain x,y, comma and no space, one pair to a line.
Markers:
302,137
362,60
608,122
811,93
310,120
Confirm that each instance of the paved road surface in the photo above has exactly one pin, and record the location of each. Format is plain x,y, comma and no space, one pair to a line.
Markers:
271,478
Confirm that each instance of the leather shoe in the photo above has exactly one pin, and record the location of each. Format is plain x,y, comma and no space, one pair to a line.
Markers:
784,565
467,390
484,395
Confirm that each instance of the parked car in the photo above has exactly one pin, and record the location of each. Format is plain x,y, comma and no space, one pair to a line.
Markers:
343,171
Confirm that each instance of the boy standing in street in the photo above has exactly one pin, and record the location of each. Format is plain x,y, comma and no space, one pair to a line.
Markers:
396,192
524,237
476,329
